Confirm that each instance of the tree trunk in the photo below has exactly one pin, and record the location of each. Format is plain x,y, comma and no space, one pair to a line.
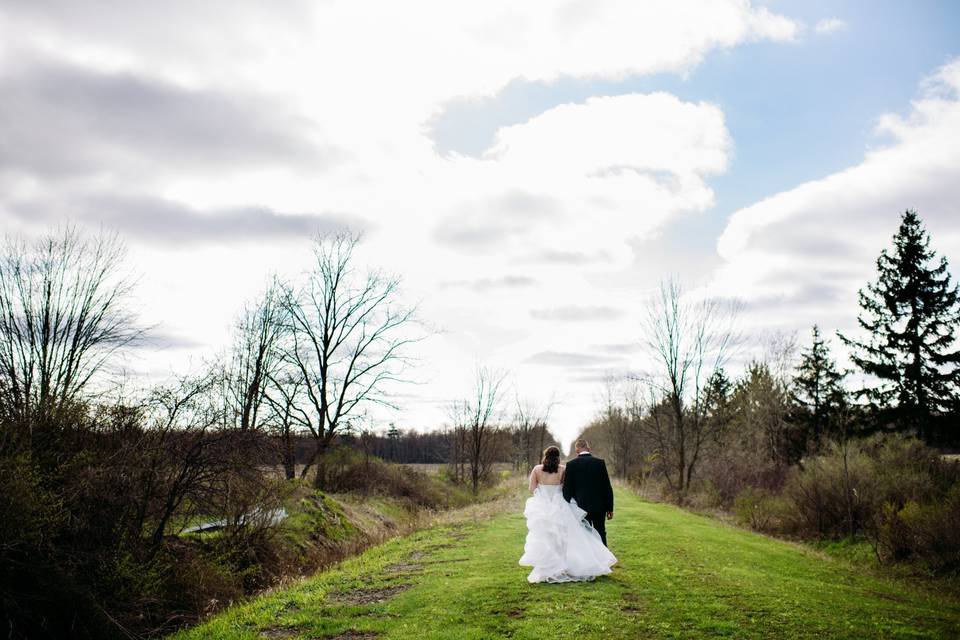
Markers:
289,457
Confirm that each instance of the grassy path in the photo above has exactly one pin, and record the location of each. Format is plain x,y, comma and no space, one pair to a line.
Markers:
680,576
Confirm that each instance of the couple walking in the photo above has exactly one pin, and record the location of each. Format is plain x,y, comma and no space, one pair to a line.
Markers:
566,518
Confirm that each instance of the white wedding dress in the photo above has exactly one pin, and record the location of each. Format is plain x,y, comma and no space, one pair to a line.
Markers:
561,546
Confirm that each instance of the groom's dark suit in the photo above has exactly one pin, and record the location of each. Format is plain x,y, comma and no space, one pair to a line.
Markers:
587,482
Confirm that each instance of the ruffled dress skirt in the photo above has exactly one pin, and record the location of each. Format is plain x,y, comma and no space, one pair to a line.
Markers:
561,545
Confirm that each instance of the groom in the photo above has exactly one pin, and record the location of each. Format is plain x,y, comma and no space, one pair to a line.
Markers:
587,481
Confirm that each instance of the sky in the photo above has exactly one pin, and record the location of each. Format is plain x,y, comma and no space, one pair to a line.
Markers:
530,170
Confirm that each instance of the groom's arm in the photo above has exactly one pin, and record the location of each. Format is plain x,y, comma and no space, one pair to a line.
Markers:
609,489
568,482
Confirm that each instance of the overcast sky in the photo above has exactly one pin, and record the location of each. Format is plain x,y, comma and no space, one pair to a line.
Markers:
531,169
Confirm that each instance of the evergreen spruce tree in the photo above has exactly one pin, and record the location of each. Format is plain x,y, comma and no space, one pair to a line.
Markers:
716,399
911,314
393,438
818,389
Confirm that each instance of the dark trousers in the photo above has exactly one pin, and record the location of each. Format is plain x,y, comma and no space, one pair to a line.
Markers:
599,522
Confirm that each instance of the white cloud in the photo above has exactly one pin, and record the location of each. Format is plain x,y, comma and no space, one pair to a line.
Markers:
830,25
800,256
624,163
609,134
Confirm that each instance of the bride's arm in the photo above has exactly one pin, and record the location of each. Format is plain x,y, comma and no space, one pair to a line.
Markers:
533,479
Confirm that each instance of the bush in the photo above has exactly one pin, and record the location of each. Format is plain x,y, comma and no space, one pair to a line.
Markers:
908,470
841,492
832,495
896,491
741,463
33,584
90,512
759,510
928,534
343,470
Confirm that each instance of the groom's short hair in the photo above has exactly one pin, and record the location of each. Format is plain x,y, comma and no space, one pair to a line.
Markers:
581,443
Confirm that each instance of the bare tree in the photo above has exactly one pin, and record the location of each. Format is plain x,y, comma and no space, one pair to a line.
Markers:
530,433
688,341
63,314
179,462
622,413
348,335
180,417
254,358
476,423
780,354
367,440
284,395
458,448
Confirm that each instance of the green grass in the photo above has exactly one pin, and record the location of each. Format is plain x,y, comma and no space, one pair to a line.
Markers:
680,576
856,551
317,513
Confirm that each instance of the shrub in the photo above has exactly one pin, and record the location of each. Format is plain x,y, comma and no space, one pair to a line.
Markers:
759,510
832,495
908,470
895,490
33,584
742,462
343,469
925,533
735,471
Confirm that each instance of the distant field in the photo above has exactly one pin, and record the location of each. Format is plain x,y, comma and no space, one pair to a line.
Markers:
434,469
429,469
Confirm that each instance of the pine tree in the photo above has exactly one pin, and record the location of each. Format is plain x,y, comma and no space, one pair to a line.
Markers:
393,438
718,404
818,388
910,313
717,396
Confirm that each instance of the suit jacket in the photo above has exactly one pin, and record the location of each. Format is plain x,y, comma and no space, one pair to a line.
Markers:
587,481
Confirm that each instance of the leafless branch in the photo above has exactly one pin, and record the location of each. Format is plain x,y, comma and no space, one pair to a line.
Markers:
688,340
348,337
63,315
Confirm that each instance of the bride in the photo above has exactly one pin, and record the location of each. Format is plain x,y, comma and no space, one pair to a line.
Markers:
561,546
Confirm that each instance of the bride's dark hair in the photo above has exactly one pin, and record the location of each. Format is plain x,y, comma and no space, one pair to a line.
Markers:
551,459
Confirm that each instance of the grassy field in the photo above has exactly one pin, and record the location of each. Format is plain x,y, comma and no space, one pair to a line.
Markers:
680,576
